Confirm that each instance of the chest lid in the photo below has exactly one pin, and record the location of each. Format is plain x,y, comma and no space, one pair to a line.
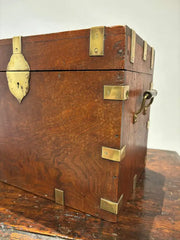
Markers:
98,48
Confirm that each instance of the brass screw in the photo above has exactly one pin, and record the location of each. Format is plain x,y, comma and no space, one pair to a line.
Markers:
95,50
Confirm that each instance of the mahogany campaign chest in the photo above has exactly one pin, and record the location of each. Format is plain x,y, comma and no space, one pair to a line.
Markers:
74,116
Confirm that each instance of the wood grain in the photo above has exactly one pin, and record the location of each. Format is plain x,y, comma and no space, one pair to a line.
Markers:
153,214
134,136
70,51
54,138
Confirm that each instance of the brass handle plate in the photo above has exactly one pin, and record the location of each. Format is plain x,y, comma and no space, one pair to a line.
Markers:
148,95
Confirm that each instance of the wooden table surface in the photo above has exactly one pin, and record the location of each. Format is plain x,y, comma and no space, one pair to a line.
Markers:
154,214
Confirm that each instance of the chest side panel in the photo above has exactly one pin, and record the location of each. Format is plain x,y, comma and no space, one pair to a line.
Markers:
134,135
53,139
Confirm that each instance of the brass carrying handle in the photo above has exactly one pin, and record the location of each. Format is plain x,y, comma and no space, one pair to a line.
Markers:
148,95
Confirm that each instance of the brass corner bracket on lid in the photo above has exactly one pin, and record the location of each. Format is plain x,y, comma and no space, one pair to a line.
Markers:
133,46
18,71
96,41
145,51
152,57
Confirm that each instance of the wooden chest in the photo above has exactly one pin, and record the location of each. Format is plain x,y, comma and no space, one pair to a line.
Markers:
74,114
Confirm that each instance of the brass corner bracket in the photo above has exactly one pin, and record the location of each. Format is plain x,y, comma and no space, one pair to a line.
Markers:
96,41
113,154
110,206
59,196
133,46
119,92
18,71
152,57
145,51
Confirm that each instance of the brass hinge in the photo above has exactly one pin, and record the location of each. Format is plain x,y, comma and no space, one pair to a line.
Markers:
113,154
18,71
96,42
59,196
110,206
116,92
133,46
145,51
152,57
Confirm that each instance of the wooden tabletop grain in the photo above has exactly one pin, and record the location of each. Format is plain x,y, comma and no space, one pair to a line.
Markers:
154,214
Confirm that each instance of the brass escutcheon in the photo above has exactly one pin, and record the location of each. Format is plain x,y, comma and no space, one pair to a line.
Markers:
18,72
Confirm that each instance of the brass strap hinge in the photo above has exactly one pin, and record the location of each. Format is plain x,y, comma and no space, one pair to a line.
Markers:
116,92
18,71
59,196
96,41
113,154
133,46
110,206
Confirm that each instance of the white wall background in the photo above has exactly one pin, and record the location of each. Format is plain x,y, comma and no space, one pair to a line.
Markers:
157,21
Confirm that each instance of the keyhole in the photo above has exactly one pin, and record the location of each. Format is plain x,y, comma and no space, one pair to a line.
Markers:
18,84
